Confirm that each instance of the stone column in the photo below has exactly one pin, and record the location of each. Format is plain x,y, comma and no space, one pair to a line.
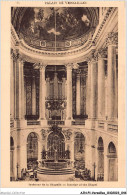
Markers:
12,85
33,97
39,150
96,162
18,152
15,160
23,154
93,92
90,151
69,92
22,89
89,89
111,42
24,95
19,88
42,92
78,98
15,90
105,166
72,147
101,84
116,91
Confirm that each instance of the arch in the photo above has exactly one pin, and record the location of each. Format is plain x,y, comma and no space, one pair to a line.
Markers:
56,146
111,148
32,150
100,142
100,171
79,147
112,162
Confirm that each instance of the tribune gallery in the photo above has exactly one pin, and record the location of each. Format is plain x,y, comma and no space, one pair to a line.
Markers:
64,94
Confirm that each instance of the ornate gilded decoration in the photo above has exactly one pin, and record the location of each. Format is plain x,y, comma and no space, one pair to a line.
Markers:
55,105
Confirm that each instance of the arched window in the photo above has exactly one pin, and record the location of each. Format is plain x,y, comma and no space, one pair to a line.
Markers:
111,148
112,162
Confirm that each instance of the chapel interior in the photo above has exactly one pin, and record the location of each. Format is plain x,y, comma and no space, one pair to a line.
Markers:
64,93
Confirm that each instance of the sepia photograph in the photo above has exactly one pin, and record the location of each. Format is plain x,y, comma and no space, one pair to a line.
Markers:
64,112
66,74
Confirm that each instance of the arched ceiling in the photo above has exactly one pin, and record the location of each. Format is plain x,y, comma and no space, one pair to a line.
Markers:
54,24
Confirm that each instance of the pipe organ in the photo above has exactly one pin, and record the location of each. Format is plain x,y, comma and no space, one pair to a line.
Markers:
55,89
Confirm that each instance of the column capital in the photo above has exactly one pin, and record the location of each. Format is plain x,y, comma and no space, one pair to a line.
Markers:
75,66
91,60
112,38
18,56
69,66
101,53
14,54
40,66
92,57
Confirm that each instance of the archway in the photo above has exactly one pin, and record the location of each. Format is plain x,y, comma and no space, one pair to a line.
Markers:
112,157
32,150
56,146
100,175
79,150
11,158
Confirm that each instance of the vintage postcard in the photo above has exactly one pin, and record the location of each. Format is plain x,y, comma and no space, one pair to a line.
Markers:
63,94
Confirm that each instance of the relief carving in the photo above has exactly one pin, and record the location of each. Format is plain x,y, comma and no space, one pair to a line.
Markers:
67,134
43,133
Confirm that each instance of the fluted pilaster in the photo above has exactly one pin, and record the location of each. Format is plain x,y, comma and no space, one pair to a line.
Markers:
69,91
101,83
78,93
42,91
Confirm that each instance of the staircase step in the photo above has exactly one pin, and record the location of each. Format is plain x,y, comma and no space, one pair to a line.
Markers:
55,172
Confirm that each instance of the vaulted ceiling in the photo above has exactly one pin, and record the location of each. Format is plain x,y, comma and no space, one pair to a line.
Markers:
54,24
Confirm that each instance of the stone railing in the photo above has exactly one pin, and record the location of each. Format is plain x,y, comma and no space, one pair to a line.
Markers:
54,122
112,127
32,122
82,122
105,125
101,124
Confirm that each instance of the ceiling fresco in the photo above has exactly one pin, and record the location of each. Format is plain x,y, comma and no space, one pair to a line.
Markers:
53,23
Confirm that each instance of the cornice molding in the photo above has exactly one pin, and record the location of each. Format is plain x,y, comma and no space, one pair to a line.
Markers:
100,26
14,37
